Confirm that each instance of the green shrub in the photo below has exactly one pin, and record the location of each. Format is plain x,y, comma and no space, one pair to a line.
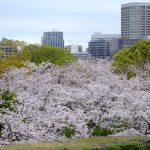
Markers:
116,147
146,147
68,132
35,53
121,61
98,131
39,54
7,99
137,56
131,74
63,148
9,62
131,147
77,148
125,147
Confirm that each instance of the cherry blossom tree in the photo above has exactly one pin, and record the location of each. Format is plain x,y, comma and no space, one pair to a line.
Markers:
51,98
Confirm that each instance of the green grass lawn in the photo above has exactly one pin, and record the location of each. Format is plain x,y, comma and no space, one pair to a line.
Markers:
78,144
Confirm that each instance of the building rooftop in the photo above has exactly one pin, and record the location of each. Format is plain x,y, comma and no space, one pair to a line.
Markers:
99,35
135,4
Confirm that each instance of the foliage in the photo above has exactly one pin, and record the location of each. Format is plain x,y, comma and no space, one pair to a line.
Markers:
39,54
78,148
34,53
16,44
7,100
68,132
121,61
146,146
98,131
1,53
131,147
127,147
11,61
137,56
131,74
116,147
28,52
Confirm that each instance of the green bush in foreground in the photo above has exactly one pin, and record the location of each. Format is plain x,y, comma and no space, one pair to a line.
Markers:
98,131
129,147
146,147
79,148
68,132
7,100
131,74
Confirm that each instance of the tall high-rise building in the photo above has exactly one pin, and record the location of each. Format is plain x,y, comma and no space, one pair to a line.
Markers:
53,39
135,21
99,48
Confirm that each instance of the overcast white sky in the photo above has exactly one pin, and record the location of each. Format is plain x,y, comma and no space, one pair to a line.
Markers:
78,19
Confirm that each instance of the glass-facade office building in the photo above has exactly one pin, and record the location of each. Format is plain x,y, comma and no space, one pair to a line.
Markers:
53,39
135,21
99,48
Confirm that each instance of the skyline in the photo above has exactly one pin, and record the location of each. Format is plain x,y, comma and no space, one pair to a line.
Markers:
28,19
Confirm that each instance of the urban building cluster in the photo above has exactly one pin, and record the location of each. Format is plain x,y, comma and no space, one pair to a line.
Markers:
135,26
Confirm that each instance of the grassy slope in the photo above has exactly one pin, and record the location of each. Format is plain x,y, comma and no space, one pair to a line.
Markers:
79,144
